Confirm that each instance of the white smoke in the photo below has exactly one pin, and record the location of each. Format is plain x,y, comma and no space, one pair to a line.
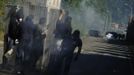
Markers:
86,18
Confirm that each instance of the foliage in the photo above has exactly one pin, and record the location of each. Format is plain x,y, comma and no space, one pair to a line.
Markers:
99,5
2,9
120,10
2,6
73,3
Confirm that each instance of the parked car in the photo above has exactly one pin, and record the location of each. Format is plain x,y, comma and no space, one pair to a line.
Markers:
114,36
94,33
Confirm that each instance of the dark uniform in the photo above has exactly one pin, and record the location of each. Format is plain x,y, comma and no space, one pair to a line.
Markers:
39,37
14,32
14,28
63,27
62,31
64,57
130,30
68,47
24,51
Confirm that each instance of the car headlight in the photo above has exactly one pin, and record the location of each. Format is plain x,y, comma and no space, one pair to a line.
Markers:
109,36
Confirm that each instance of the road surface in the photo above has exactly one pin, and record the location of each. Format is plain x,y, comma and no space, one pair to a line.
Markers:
101,58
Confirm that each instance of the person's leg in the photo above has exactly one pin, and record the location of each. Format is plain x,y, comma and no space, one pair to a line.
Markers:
67,63
19,59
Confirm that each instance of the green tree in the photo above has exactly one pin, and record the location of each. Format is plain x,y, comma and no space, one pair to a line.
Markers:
99,5
2,6
73,3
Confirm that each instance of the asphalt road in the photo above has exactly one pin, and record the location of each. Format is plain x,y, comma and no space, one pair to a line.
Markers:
101,58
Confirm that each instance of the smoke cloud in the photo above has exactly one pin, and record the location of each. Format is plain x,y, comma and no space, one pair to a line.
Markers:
86,18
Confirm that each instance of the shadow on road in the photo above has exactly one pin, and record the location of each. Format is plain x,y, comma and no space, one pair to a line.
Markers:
93,64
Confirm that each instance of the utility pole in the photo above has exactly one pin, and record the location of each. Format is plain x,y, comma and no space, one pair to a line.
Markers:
53,7
106,25
131,9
